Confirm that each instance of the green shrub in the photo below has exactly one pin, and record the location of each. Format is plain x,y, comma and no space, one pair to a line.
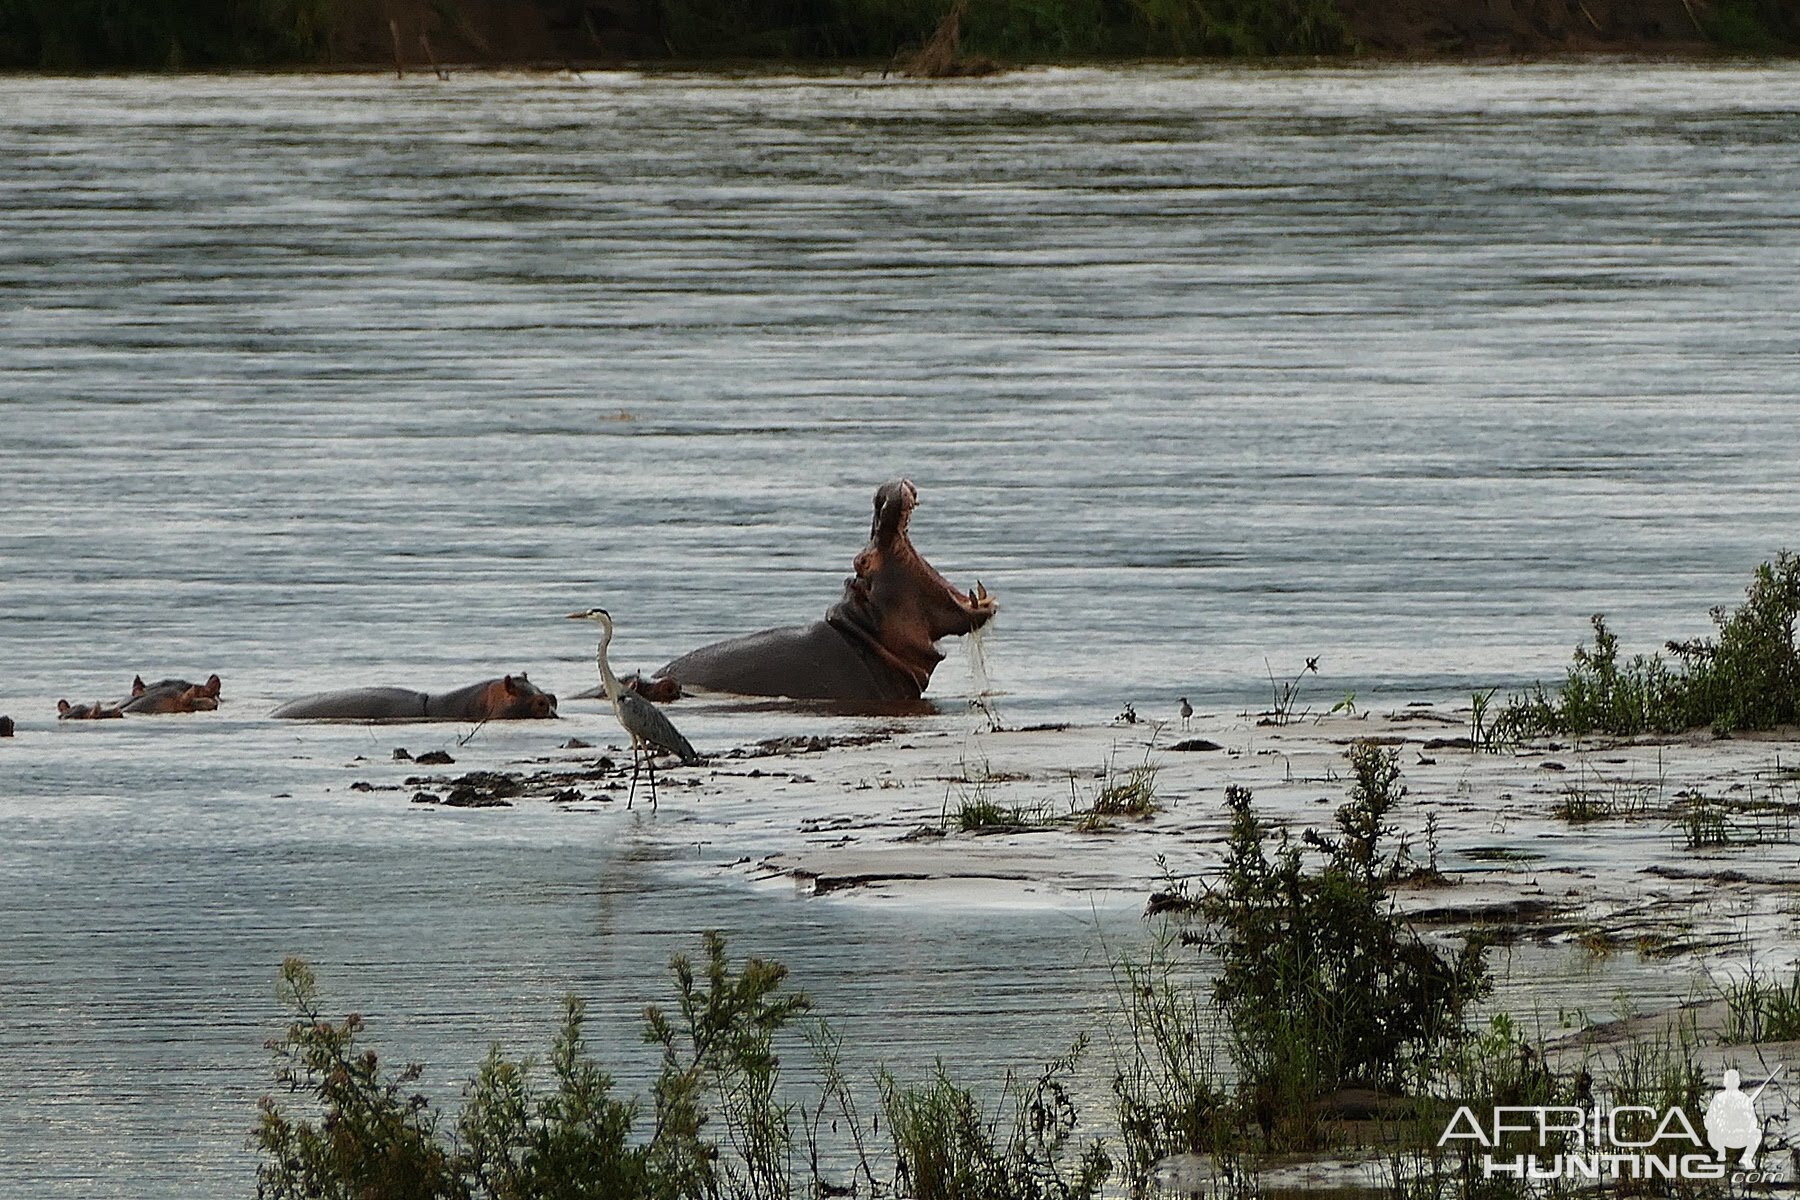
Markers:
573,1142
1752,26
370,1137
947,1148
1322,982
1247,28
720,1044
373,1137
1745,677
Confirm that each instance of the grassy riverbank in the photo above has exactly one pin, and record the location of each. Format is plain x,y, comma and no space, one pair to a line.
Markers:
190,34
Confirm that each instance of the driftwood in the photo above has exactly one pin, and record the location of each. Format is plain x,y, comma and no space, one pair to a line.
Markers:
425,45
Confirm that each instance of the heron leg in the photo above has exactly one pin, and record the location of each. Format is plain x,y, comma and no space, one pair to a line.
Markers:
651,759
634,777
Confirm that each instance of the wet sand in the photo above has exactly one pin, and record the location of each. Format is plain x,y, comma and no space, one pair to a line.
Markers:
1584,842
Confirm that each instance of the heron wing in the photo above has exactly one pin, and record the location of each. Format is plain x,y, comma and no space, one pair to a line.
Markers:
644,721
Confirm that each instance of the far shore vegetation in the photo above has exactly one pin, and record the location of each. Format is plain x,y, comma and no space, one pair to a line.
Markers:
1284,1009
939,36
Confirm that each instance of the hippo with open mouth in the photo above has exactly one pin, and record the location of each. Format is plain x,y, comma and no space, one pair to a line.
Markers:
874,645
509,698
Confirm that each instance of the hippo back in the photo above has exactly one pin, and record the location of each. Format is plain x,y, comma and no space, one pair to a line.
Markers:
358,704
509,698
800,662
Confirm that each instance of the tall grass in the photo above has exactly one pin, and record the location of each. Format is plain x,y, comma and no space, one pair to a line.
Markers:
948,1147
1761,1006
1168,1086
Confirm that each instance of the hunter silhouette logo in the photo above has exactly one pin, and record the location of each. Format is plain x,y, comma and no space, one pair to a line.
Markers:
1617,1141
1731,1121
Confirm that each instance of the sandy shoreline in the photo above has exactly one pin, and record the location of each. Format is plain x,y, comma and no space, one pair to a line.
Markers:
875,815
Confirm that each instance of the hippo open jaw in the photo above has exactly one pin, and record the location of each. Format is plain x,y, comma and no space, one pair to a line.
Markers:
876,644
980,603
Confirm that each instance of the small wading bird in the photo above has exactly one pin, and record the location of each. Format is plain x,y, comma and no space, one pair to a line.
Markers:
1187,714
651,733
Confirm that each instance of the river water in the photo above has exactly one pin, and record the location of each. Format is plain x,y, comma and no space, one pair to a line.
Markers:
313,381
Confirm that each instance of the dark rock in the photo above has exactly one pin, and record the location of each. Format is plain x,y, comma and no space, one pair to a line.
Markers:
427,798
1175,902
1196,744
434,758
465,797
577,744
6,726
402,754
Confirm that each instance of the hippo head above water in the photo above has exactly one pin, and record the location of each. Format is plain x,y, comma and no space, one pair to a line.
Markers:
897,603
173,696
876,645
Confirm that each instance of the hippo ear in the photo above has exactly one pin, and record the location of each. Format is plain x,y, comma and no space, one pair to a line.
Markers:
137,685
212,685
511,685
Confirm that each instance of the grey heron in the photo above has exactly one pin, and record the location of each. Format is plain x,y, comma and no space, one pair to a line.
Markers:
651,733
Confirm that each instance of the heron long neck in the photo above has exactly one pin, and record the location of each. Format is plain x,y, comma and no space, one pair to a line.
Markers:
607,678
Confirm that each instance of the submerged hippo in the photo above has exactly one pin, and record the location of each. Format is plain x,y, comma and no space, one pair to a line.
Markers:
97,711
509,698
173,696
874,645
